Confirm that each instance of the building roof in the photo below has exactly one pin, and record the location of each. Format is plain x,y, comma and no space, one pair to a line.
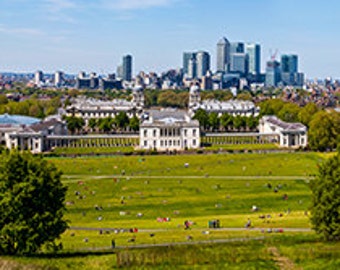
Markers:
285,126
6,119
167,117
227,106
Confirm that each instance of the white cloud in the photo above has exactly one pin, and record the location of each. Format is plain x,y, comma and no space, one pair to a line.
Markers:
21,31
137,4
59,5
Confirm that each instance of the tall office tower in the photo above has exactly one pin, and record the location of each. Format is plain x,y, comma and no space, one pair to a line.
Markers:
273,73
236,47
202,63
127,68
223,55
289,63
254,54
239,63
58,78
192,68
38,77
186,58
289,70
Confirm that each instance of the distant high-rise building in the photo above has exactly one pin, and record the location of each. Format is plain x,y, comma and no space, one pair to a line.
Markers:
239,63
38,77
289,63
202,63
236,47
223,55
192,68
254,58
273,73
186,58
58,78
289,70
127,68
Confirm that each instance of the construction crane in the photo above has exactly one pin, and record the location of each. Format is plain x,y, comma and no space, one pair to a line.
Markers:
273,55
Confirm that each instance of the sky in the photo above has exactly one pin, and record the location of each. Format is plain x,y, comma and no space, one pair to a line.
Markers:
93,35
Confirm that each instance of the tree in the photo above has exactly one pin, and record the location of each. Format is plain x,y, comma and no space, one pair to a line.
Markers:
202,117
31,203
325,214
306,113
93,123
74,123
134,123
105,124
324,129
238,122
289,112
226,120
121,120
214,121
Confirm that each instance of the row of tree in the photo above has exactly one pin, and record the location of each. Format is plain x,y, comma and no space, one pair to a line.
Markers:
31,107
120,123
226,122
323,125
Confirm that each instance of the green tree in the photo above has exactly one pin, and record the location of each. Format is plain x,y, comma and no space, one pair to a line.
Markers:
203,118
306,113
31,203
251,122
226,120
238,122
74,124
325,213
271,107
214,121
93,123
121,120
289,112
3,99
134,123
105,124
324,130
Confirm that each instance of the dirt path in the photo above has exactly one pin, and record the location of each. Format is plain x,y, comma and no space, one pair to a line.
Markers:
284,263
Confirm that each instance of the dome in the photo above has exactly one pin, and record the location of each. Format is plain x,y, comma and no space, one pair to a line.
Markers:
6,119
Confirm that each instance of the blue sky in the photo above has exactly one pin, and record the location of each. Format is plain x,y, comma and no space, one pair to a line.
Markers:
93,35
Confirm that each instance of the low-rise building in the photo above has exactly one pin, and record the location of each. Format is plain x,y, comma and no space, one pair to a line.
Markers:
168,130
291,135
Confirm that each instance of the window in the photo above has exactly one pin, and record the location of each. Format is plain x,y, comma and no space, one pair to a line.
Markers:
185,132
194,132
145,143
154,132
162,143
185,143
194,142
302,141
145,132
166,143
161,132
170,143
154,143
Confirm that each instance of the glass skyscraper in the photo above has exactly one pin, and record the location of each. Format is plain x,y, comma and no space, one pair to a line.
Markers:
127,68
223,55
202,63
254,58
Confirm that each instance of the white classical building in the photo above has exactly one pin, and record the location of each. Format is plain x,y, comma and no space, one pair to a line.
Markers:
88,108
291,135
168,130
232,107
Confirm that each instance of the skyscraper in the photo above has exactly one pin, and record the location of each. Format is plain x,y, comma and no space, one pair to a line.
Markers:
289,63
38,77
223,55
192,68
236,47
273,73
202,63
58,78
186,58
239,63
127,68
254,58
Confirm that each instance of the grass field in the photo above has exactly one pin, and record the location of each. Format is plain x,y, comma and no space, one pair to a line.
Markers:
156,194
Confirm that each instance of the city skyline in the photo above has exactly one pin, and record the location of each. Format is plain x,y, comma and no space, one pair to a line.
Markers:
75,35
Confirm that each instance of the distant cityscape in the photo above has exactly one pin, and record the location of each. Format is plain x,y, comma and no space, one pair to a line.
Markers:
238,67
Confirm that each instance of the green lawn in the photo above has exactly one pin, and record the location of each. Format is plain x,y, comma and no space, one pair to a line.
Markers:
126,192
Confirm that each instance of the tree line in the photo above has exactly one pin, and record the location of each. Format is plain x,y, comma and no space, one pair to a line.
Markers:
226,122
119,124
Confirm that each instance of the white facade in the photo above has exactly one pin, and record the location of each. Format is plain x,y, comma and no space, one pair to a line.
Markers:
292,135
168,130
232,107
